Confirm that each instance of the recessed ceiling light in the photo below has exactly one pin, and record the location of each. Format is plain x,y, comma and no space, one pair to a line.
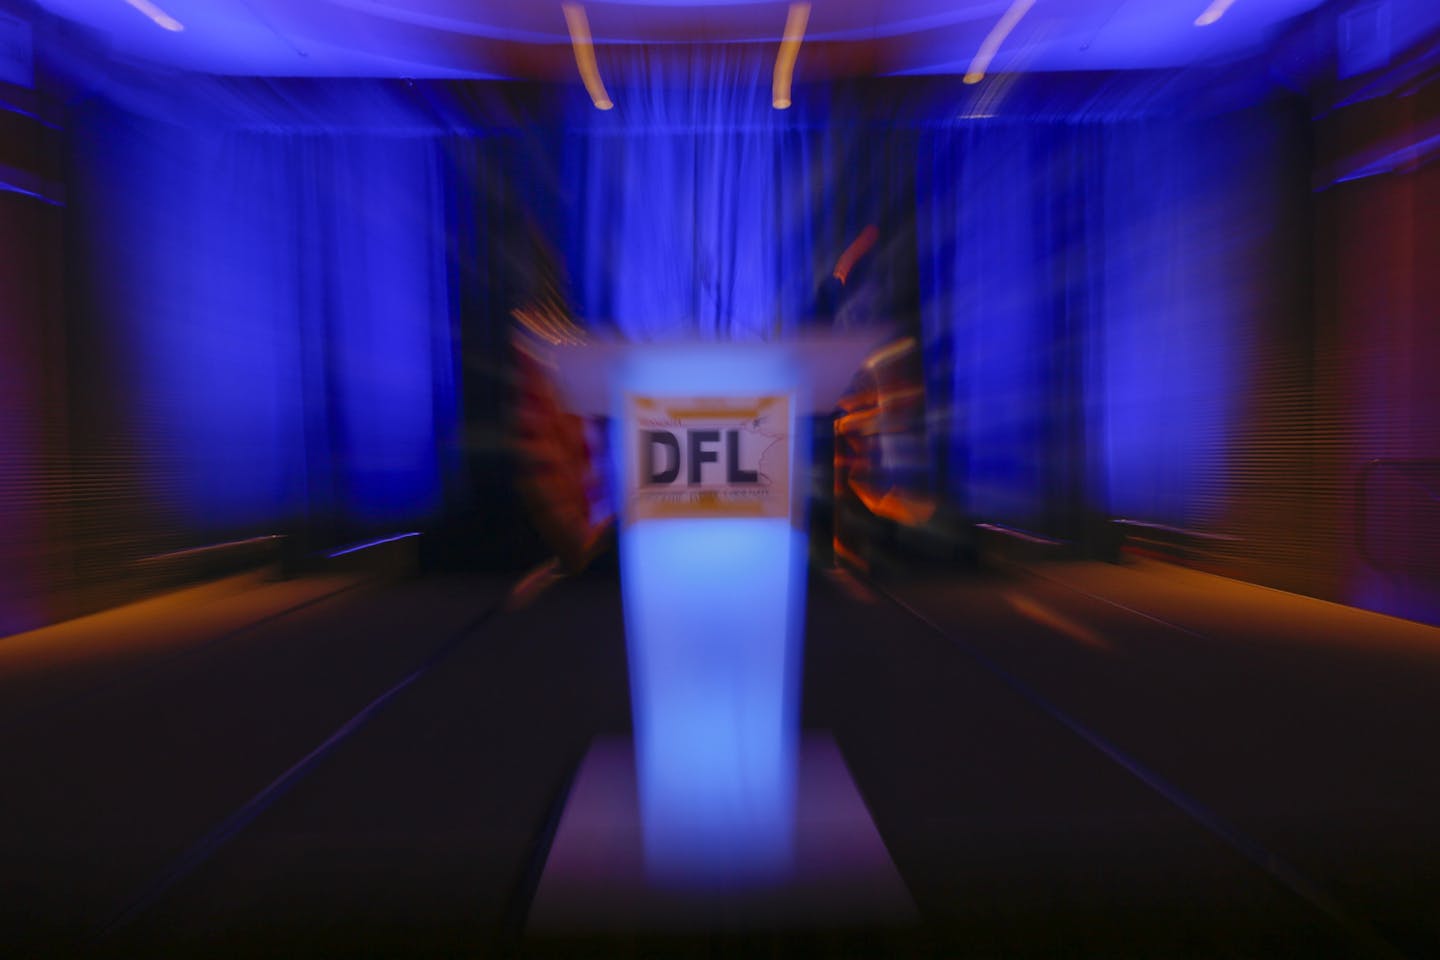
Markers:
161,19
1214,12
795,22
997,35
579,27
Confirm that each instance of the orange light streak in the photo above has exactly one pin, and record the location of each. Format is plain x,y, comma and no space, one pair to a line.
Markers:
795,22
991,44
579,26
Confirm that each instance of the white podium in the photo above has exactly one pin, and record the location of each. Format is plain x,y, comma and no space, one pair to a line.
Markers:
711,454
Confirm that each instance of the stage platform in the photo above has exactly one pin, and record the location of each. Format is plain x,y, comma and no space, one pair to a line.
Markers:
594,881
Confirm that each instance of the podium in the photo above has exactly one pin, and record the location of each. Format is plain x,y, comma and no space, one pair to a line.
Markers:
710,452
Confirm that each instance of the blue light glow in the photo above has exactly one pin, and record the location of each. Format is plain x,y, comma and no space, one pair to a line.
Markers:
713,618
370,543
709,604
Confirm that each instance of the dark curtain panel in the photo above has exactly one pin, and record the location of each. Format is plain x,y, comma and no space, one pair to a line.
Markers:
499,259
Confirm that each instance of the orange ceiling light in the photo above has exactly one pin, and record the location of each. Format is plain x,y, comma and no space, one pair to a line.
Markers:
997,35
795,22
579,27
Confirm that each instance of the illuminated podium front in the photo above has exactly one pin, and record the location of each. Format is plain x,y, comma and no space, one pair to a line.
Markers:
711,454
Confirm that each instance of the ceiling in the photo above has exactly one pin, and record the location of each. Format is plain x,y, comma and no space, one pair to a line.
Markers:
528,38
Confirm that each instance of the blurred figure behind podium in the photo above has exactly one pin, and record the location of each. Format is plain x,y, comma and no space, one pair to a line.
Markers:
559,455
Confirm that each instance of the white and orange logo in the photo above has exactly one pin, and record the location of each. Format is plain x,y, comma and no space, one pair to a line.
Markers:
709,457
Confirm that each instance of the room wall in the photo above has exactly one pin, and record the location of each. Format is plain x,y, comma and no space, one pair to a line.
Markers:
37,483
1377,310
1332,486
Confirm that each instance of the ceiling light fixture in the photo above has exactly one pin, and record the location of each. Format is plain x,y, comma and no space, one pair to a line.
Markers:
997,36
795,22
162,19
579,26
1214,12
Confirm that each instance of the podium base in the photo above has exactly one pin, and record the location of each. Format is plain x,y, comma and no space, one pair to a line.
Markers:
594,879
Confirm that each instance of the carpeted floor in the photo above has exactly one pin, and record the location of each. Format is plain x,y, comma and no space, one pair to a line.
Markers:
1078,760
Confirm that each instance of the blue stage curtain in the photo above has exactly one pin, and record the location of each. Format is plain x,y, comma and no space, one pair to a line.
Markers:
276,300
697,201
289,275
1086,286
